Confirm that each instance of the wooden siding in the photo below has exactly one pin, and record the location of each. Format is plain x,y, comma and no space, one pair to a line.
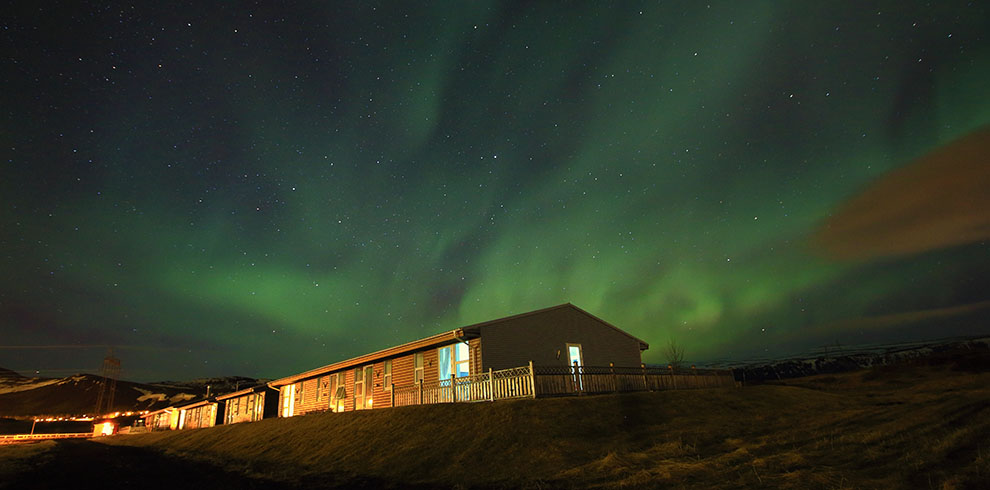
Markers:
476,365
539,337
403,370
201,416
307,400
430,369
380,394
246,408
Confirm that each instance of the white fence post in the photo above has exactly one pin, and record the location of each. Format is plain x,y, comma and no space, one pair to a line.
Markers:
491,385
532,379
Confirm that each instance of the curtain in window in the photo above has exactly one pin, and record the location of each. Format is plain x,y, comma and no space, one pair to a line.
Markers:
443,363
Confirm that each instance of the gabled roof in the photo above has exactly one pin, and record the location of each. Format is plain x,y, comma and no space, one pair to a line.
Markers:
246,391
457,334
160,410
199,403
477,326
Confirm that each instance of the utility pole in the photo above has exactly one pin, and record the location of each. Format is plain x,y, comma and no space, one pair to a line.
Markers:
108,383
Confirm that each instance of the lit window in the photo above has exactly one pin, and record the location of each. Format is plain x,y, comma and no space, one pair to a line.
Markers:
443,363
387,376
462,360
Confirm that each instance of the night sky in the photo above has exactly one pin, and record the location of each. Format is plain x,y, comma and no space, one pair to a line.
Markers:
259,189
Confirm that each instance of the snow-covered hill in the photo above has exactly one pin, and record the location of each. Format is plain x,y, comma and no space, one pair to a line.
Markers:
76,395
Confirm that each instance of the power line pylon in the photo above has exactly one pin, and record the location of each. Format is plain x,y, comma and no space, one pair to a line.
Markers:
108,383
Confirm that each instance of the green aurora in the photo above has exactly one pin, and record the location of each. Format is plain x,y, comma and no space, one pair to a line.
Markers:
221,190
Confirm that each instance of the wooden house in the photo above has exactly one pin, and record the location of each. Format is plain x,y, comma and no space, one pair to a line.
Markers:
250,404
456,365
164,419
203,413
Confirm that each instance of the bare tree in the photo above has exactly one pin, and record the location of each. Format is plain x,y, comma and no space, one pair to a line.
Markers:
674,353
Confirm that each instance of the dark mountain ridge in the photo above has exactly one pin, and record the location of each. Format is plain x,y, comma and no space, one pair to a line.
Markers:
74,396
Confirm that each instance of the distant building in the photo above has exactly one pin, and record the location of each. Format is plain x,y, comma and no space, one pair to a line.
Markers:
250,404
474,362
200,414
164,419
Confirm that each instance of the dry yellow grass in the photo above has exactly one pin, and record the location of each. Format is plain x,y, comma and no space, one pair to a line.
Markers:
918,427
17,458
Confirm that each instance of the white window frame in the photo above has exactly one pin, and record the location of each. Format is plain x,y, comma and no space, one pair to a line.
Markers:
419,373
288,400
387,375
339,388
359,396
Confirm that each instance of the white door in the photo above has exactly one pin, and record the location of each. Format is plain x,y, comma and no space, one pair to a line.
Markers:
576,362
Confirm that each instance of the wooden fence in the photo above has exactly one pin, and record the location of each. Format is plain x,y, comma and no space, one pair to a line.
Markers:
530,382
564,380
486,386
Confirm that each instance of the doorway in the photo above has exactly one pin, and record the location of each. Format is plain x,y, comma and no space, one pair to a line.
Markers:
575,360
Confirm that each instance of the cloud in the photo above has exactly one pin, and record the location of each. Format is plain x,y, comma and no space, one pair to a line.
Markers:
940,200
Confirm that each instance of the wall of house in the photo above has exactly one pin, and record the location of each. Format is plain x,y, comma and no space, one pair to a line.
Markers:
309,396
241,409
317,394
159,421
402,370
381,394
539,337
201,416
476,364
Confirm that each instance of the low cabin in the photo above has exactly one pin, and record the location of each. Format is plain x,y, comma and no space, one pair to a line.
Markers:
562,335
163,419
204,413
250,404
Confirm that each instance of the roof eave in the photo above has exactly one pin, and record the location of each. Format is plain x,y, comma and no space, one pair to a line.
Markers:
433,340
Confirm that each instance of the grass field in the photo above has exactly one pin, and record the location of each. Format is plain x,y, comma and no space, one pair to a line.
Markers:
904,427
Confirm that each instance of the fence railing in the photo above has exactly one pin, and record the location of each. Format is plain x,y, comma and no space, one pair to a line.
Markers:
530,382
486,386
14,438
576,380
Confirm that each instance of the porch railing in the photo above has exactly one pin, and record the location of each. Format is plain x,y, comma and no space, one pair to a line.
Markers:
486,386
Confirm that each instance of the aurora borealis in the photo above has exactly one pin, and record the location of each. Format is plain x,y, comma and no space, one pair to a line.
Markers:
228,189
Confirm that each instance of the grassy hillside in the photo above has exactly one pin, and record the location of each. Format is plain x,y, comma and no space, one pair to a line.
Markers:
905,427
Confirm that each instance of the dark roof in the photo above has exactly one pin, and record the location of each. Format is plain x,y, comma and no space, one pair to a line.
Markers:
477,326
244,391
197,403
